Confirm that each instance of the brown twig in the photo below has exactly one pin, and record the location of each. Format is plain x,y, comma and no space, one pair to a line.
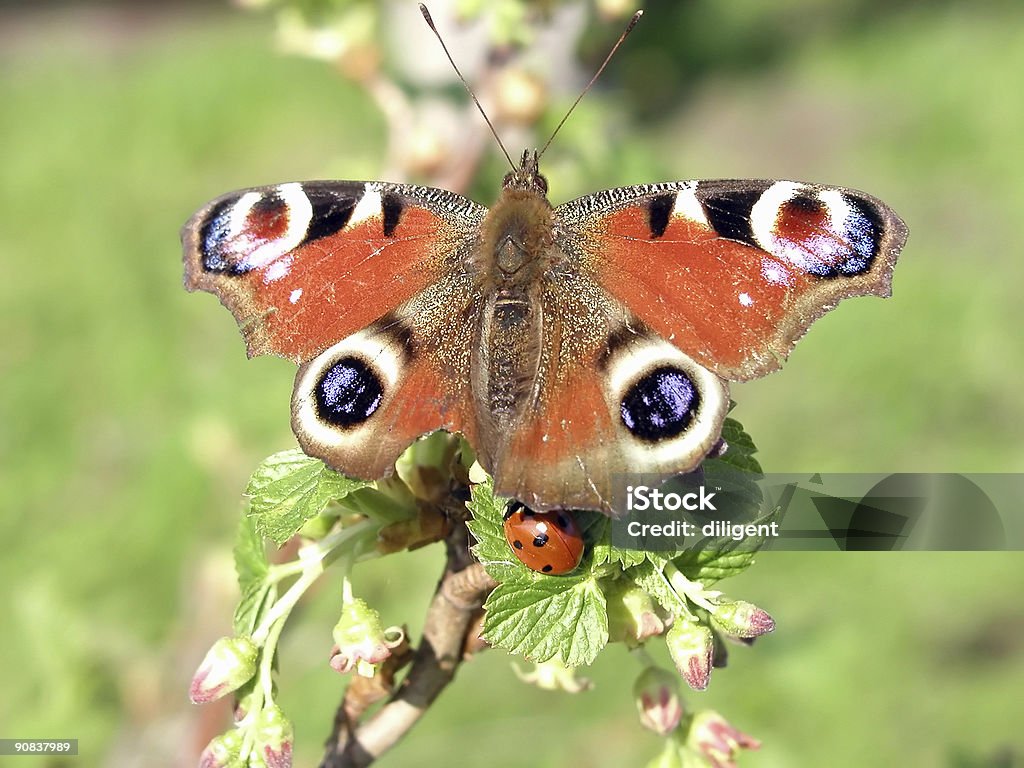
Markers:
459,595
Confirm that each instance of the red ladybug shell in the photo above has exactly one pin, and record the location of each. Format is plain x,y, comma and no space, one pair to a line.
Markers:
547,542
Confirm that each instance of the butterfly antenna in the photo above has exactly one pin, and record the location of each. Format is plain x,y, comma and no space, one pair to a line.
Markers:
430,23
622,37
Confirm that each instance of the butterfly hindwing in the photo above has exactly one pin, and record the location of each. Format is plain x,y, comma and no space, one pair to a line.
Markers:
360,403
733,272
631,404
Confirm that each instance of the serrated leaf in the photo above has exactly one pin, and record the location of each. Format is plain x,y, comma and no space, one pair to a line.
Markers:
251,562
548,618
650,577
487,527
290,488
741,448
735,475
727,558
487,523
606,553
250,607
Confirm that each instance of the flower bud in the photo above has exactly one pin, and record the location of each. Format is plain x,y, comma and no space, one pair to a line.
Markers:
273,740
714,737
691,646
632,616
553,675
656,691
245,697
360,641
223,751
742,619
228,665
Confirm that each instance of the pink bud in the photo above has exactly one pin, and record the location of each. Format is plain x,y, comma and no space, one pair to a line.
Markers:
691,646
742,619
553,675
656,691
360,640
632,616
223,751
273,738
228,665
712,736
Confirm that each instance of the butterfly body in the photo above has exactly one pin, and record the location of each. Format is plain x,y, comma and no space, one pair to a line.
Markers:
570,345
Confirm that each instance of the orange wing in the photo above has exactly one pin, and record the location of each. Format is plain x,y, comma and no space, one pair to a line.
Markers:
303,265
365,284
733,272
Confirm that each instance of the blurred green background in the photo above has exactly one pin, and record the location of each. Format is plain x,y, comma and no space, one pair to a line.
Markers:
130,418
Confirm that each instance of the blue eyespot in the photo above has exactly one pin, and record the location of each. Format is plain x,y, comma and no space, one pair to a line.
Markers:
348,393
661,405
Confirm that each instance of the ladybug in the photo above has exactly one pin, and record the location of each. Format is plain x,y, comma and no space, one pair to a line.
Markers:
547,542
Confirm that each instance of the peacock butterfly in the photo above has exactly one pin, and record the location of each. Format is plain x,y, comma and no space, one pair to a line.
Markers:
569,345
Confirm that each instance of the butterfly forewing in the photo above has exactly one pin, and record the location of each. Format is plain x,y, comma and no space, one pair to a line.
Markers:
303,265
733,272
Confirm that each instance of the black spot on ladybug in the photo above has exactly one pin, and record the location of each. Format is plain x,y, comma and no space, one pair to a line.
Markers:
517,544
562,521
540,540
547,569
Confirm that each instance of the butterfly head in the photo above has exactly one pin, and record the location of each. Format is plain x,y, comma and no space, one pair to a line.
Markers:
527,175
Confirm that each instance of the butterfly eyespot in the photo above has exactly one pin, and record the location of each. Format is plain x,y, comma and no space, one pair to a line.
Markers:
348,393
661,405
554,542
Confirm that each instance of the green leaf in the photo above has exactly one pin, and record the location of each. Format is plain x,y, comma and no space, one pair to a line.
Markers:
528,613
606,553
290,488
547,618
251,563
650,577
735,473
727,558
251,606
252,567
487,527
741,448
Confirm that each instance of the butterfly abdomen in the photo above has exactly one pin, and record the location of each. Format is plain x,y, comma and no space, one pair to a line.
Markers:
513,262
511,357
